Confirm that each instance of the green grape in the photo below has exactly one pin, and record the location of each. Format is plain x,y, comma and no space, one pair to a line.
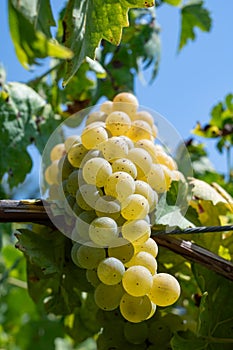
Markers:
108,297
110,271
76,154
98,116
57,152
81,202
136,333
149,246
165,159
89,257
119,185
72,184
159,333
139,130
96,171
64,167
93,135
69,203
90,194
143,188
114,148
123,252
103,231
118,123
126,166
135,309
134,207
92,277
165,289
81,230
145,116
142,160
106,107
51,173
136,230
108,206
156,178
144,259
73,253
70,141
137,280
125,102
153,309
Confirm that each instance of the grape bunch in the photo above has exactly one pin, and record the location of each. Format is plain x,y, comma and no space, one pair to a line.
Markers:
112,176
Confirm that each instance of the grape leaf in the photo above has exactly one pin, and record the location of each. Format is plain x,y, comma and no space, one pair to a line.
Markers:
85,23
193,14
24,118
173,2
29,42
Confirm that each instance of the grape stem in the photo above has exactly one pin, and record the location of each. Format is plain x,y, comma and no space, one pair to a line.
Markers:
35,211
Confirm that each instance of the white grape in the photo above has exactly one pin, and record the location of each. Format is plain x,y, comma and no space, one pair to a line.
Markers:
119,185
135,309
118,123
143,188
124,252
93,135
76,154
139,130
96,171
149,246
108,206
142,160
165,289
136,230
125,165
137,280
57,152
144,259
98,116
110,271
108,297
103,231
126,102
70,141
134,207
114,148
89,257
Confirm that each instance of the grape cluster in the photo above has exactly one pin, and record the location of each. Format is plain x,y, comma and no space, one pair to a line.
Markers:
112,176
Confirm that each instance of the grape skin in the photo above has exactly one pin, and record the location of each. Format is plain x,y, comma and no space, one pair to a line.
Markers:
119,185
135,309
137,281
110,271
96,171
103,231
135,230
165,289
118,123
108,297
134,207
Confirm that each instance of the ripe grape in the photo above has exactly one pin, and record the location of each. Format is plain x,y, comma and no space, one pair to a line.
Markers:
136,230
76,154
106,107
57,152
165,289
137,280
145,116
87,257
143,188
96,171
98,116
156,178
51,173
108,297
125,165
119,185
144,259
108,206
103,231
114,148
134,207
139,130
123,252
118,123
82,225
142,160
71,140
110,271
149,246
92,277
125,102
135,309
93,135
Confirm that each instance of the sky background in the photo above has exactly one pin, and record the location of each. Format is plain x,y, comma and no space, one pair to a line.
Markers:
189,83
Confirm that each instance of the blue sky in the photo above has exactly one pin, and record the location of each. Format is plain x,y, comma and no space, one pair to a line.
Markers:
189,83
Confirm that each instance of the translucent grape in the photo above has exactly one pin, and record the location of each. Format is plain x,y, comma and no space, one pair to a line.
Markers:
135,230
76,154
145,116
103,231
144,259
149,246
69,203
143,188
165,289
135,309
129,142
110,271
125,102
82,225
108,297
142,161
124,252
90,194
119,185
89,257
134,207
139,130
57,152
165,159
71,140
136,333
137,280
114,148
125,165
148,146
156,179
168,176
108,206
64,167
92,135
106,107
51,173
96,171
98,116
118,123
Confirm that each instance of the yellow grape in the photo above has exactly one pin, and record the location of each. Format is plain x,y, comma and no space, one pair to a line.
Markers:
123,252
165,289
89,257
98,116
143,188
76,154
135,309
126,102
149,246
89,194
139,130
57,152
106,107
71,140
114,148
108,206
103,231
118,123
156,178
51,173
108,297
96,171
134,207
125,165
144,259
142,160
93,135
136,230
165,159
119,185
137,280
110,271
145,116
148,146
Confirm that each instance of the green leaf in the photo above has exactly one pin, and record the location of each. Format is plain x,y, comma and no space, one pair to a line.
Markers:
173,2
30,43
187,340
193,15
87,22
